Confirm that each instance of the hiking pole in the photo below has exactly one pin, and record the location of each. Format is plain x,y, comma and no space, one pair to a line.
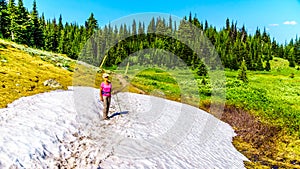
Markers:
118,103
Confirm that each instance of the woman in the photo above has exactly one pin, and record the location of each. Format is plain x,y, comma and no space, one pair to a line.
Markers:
105,95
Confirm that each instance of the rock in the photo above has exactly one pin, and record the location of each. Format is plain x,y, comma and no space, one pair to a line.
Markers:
4,61
71,162
52,83
59,64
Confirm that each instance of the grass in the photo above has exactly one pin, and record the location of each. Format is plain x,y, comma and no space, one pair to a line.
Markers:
24,70
23,75
272,98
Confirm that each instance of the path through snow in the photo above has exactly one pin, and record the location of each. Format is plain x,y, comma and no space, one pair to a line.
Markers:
64,129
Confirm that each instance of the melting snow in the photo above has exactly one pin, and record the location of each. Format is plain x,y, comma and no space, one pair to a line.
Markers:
64,129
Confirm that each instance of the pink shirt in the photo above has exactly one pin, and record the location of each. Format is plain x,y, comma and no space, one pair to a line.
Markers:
106,89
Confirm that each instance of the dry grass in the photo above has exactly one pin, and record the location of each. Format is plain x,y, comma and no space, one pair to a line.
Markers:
23,75
23,71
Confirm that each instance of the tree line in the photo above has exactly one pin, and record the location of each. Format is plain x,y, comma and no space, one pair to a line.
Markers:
29,28
90,42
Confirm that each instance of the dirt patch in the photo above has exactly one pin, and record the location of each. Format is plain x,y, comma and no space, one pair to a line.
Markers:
126,85
256,140
249,128
261,138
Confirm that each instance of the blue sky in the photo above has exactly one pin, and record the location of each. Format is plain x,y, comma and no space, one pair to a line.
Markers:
281,18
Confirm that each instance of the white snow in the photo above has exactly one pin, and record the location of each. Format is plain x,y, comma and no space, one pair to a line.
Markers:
65,129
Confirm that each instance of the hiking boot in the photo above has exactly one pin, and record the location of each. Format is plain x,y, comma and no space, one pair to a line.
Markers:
105,118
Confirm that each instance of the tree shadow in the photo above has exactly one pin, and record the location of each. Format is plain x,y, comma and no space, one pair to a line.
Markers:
118,114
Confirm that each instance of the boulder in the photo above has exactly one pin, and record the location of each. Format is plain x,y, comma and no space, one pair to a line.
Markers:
52,83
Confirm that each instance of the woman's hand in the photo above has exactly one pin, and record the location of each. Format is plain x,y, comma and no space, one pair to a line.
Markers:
101,99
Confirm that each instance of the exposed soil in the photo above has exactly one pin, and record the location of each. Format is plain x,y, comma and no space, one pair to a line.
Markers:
124,84
255,139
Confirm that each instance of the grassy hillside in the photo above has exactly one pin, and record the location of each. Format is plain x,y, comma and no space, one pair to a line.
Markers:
24,70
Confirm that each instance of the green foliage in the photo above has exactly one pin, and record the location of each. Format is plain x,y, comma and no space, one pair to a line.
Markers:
37,36
91,26
22,24
268,66
201,70
156,75
292,63
4,21
232,44
243,72
272,96
156,79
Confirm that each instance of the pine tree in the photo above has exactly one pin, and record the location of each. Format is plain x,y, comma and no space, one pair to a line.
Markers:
134,32
4,20
91,25
227,25
233,32
23,26
151,26
11,8
259,64
197,23
243,34
42,23
292,62
297,50
243,72
60,28
268,66
274,48
201,69
266,37
257,33
141,29
206,25
37,37
160,27
190,18
51,38
170,25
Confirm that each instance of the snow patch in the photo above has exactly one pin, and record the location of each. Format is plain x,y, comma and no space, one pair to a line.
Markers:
64,129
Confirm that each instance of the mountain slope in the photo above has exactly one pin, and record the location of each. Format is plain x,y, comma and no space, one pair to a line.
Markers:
24,70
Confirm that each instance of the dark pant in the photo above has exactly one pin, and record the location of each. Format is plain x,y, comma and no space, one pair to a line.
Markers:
106,104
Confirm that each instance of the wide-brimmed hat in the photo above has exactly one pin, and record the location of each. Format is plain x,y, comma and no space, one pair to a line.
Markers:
105,75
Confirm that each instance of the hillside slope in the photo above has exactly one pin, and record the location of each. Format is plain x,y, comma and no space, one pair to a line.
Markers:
24,72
